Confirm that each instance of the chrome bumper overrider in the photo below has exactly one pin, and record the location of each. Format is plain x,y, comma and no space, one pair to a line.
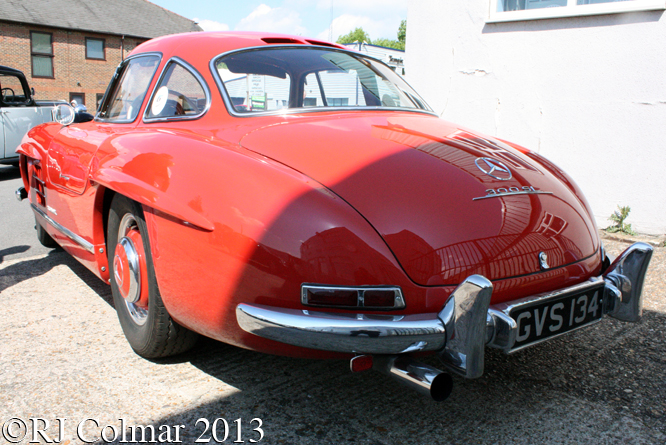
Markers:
459,333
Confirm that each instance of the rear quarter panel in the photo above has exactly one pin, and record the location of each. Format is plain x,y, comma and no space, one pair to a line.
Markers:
228,226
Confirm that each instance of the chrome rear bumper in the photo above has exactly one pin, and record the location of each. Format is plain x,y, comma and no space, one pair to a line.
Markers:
458,333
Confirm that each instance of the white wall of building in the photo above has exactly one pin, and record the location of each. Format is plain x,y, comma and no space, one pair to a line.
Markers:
589,93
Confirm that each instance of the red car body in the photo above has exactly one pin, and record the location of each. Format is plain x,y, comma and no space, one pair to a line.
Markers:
244,208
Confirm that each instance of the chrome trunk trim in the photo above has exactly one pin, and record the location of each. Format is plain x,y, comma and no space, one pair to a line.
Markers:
68,233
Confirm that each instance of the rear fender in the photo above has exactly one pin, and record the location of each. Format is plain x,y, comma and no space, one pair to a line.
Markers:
149,176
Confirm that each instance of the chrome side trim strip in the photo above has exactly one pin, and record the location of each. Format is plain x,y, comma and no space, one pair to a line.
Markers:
344,332
68,233
502,195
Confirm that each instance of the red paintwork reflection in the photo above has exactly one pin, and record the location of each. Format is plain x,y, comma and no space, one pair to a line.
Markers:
417,188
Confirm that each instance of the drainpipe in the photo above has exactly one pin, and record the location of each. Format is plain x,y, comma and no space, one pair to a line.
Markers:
122,48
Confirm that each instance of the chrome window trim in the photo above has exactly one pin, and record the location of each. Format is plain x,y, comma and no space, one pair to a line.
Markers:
200,79
231,110
65,231
398,301
127,60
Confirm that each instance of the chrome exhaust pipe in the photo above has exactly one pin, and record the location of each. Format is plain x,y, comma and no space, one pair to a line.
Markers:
418,376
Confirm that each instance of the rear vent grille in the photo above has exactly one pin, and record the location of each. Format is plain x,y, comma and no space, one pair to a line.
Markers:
320,43
38,185
281,40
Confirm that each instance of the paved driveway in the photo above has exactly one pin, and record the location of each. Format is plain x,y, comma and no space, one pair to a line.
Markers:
63,355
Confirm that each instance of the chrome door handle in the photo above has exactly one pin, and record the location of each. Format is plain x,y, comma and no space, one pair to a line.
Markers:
65,177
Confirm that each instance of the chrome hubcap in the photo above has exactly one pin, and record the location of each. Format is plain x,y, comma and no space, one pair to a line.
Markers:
128,267
126,270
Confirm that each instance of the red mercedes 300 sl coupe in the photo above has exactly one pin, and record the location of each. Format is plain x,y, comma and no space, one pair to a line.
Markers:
289,196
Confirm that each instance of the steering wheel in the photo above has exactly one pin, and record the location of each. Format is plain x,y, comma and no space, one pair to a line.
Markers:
7,89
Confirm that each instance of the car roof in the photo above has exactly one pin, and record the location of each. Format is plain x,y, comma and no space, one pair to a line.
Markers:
8,70
206,45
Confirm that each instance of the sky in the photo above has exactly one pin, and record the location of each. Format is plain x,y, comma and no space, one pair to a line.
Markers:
321,19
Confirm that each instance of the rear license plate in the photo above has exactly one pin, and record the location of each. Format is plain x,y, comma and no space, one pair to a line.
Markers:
551,317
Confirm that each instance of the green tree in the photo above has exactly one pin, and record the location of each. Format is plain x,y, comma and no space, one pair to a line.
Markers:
357,35
402,33
388,43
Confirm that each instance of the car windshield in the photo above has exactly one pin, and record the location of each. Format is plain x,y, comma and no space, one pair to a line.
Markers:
12,89
311,78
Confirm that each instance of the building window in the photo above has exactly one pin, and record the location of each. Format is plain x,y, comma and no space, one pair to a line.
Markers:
80,98
41,45
337,101
95,49
512,10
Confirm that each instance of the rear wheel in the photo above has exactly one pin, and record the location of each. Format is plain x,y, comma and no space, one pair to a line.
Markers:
147,325
43,237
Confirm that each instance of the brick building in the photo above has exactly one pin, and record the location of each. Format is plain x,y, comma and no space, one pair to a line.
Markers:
69,49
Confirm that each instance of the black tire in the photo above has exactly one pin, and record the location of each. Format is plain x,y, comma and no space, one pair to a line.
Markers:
156,334
43,237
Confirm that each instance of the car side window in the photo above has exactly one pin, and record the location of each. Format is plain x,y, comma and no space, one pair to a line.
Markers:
129,89
178,94
12,90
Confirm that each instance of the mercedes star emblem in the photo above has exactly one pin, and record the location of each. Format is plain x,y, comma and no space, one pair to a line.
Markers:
493,168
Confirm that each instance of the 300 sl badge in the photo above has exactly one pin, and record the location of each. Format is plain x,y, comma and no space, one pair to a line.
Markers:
511,191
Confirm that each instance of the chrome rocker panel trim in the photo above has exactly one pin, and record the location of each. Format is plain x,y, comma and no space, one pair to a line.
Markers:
459,333
65,231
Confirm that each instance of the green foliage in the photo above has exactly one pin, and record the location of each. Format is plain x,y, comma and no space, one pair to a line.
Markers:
357,35
402,33
388,43
618,217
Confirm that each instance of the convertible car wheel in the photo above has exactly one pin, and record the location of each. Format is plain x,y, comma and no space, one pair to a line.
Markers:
43,236
149,328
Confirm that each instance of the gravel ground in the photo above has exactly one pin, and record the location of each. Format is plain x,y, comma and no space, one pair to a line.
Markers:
63,355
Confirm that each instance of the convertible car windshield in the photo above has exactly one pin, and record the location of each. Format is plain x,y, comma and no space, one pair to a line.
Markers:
287,78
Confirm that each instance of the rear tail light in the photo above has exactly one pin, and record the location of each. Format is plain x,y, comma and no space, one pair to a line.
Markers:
360,363
371,297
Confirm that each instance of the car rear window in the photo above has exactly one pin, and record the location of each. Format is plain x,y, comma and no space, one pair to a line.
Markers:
274,79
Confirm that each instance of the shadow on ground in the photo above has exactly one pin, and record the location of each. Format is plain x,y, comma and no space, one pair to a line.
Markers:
612,364
616,365
9,172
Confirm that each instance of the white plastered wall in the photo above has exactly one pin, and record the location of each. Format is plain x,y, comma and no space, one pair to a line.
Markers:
589,93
